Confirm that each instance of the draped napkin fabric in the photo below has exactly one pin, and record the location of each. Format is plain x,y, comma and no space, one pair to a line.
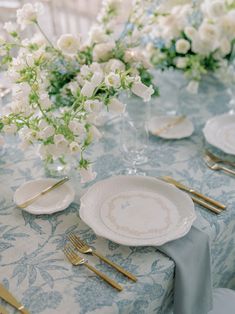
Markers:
192,283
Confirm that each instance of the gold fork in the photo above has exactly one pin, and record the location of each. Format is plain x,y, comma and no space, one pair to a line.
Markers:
77,260
218,159
215,166
82,247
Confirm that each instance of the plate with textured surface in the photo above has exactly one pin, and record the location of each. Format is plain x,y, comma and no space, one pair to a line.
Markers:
219,131
137,210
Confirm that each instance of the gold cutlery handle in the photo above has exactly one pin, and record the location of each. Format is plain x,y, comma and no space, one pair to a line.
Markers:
114,265
104,277
3,310
50,188
206,205
225,169
208,199
9,298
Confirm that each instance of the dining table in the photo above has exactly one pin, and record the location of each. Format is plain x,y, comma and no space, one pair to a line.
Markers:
32,263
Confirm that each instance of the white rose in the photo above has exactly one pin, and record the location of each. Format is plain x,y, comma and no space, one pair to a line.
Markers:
68,44
113,65
10,27
87,174
112,80
97,78
143,91
182,46
97,35
208,32
202,47
190,32
74,147
227,25
193,87
225,47
181,62
214,9
93,105
28,14
103,51
116,106
88,89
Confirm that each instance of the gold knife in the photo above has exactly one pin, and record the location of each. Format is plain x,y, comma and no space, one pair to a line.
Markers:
3,310
50,188
9,298
194,192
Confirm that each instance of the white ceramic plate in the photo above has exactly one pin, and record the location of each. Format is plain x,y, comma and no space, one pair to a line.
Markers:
53,201
136,210
182,129
219,131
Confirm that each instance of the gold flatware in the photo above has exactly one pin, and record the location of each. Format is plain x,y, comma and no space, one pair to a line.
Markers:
194,192
169,125
218,159
43,192
215,166
3,310
77,260
9,298
212,208
82,247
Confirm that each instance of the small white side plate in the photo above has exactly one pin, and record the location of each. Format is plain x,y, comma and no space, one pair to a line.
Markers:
180,130
53,201
219,131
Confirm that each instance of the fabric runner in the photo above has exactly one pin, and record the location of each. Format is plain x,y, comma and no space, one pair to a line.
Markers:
192,284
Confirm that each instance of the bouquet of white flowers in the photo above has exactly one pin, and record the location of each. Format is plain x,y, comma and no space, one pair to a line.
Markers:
196,38
59,90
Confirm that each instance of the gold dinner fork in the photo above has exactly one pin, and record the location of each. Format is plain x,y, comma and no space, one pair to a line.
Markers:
77,260
215,166
218,159
82,247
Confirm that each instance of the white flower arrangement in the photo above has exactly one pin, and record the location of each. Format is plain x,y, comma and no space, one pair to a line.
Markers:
196,39
60,90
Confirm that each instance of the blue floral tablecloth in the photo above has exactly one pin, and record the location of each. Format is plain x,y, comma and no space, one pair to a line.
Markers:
33,266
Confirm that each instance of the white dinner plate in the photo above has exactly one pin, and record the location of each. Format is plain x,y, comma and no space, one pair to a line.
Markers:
51,202
219,131
137,210
180,130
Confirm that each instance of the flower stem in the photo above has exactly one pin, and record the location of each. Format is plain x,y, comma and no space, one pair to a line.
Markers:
44,34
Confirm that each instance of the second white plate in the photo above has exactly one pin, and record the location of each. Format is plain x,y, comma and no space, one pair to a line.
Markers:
136,210
219,131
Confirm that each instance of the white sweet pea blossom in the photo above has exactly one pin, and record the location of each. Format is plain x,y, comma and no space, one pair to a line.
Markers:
68,44
97,35
182,46
87,174
143,91
116,106
88,89
29,14
112,80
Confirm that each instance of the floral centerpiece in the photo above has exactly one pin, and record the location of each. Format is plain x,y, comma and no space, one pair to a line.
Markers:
59,90
195,37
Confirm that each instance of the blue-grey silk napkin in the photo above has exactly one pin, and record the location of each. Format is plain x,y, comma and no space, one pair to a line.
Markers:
192,284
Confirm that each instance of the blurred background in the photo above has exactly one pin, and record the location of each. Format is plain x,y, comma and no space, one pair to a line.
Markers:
61,16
